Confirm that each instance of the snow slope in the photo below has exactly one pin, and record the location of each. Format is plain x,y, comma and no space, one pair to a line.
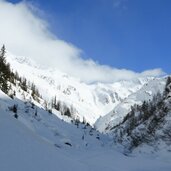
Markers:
27,144
22,149
145,93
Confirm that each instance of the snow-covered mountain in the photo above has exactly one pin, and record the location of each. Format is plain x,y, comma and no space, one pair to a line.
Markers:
101,105
145,93
147,126
38,135
89,101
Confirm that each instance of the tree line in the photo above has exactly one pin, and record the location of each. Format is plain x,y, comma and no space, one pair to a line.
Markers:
8,77
140,125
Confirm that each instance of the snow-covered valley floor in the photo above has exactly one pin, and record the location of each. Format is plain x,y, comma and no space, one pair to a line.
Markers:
22,148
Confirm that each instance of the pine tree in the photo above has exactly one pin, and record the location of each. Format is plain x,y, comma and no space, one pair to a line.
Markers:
4,71
167,87
23,84
2,53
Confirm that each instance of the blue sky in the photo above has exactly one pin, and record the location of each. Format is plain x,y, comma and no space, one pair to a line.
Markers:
131,34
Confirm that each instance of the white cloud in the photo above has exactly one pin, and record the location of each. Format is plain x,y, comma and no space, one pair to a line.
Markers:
25,34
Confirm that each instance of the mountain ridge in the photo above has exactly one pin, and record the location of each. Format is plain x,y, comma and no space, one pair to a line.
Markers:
96,99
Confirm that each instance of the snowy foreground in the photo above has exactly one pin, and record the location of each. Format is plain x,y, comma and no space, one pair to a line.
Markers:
27,144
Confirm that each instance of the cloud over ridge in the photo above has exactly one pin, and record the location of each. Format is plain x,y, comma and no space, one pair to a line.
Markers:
25,34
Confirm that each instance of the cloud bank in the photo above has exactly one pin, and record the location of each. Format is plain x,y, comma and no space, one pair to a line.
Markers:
25,34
